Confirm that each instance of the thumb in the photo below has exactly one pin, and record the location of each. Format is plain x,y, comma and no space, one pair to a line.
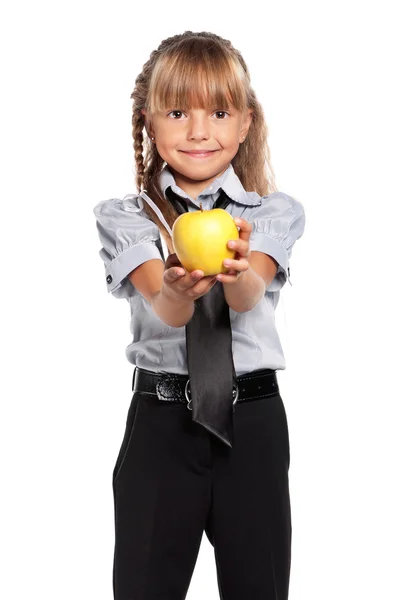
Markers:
173,273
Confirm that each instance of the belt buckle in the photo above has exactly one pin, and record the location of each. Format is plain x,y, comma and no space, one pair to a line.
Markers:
236,393
189,399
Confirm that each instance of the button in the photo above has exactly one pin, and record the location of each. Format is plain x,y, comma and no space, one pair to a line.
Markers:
109,279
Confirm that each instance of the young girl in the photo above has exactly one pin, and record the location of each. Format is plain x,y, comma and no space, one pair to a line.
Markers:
200,138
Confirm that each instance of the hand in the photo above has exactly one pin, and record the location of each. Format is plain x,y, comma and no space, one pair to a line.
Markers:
243,252
182,284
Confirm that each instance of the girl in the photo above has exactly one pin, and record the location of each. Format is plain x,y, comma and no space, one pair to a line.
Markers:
200,138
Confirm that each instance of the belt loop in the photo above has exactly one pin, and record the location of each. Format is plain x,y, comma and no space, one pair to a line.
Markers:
133,378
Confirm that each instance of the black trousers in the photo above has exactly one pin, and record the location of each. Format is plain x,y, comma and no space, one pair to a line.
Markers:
173,480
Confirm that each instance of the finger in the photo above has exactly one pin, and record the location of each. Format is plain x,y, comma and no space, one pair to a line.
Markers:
212,283
196,282
203,281
245,228
197,274
205,285
173,273
192,278
241,246
229,277
237,265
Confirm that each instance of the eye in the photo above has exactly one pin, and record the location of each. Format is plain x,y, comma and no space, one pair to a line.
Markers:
175,112
223,114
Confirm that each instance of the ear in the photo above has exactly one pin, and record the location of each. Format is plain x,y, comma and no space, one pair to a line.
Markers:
245,125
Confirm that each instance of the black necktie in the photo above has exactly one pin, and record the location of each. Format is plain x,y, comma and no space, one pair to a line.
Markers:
209,352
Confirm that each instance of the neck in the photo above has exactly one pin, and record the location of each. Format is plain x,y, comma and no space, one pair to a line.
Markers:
191,187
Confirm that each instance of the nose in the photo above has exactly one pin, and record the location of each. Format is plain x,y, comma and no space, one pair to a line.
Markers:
199,128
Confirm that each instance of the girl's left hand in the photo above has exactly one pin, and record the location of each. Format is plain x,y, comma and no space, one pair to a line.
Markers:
243,252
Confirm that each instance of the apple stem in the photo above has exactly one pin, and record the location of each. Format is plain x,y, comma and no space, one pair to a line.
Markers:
201,207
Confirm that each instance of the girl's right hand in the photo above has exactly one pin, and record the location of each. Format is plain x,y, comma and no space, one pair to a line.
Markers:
186,286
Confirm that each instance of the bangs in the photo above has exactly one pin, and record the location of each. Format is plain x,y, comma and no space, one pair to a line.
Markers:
194,76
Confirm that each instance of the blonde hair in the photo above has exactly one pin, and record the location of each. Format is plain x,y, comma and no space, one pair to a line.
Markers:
196,70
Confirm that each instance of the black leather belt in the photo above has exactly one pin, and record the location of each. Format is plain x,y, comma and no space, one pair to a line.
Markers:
172,387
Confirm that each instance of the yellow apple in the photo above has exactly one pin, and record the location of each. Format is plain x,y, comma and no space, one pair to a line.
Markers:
200,239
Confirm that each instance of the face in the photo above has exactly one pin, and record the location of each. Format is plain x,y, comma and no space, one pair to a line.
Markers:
198,144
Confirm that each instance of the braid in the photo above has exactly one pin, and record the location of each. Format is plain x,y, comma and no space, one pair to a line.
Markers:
148,162
137,134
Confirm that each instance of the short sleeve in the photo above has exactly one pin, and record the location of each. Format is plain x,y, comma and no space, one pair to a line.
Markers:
128,239
276,225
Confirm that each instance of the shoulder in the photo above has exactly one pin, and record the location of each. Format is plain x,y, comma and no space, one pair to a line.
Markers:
273,205
132,203
282,200
280,216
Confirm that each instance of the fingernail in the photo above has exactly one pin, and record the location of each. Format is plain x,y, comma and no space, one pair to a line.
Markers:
232,244
227,262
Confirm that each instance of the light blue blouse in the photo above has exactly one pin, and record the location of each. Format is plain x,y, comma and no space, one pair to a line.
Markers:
129,238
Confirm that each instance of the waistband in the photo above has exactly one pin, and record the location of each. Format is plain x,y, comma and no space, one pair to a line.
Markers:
173,387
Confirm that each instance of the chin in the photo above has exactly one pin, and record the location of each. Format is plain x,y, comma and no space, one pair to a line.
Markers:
200,170
200,174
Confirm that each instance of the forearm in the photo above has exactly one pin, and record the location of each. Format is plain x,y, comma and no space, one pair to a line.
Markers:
172,310
246,292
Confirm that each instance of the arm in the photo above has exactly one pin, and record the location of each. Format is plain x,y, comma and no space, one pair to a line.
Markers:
174,312
251,272
148,280
170,289
276,225
248,289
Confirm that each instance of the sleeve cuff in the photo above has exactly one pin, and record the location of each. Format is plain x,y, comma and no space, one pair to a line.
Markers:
268,245
127,261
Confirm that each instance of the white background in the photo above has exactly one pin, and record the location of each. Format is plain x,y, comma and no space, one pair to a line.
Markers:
325,77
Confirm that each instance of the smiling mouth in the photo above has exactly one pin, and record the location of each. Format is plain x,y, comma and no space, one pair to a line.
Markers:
198,153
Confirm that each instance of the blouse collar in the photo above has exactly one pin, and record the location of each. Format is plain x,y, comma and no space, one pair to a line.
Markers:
228,181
